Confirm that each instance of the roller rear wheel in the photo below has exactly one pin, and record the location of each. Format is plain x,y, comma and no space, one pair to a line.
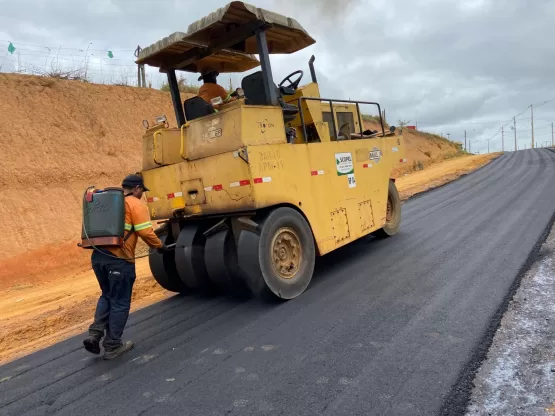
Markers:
162,266
393,214
278,262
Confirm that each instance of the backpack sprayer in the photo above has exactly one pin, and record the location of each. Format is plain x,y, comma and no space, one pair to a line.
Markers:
103,222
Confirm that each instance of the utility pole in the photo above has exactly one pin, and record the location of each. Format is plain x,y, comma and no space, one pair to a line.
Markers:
465,140
469,142
502,140
514,123
488,145
532,113
141,79
552,142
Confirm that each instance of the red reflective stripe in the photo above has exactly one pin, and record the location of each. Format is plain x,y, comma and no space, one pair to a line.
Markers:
244,182
217,187
366,165
264,179
314,173
175,195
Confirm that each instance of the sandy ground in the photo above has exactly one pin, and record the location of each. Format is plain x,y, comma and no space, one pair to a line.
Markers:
518,376
40,311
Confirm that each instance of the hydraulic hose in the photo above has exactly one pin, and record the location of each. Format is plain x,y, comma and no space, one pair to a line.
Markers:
103,252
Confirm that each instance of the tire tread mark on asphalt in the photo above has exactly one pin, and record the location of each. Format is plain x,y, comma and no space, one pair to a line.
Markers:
433,211
160,356
466,176
72,350
316,305
416,317
472,182
522,178
510,197
178,322
456,402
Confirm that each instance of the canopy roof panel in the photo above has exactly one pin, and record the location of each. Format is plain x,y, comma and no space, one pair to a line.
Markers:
227,33
167,49
284,34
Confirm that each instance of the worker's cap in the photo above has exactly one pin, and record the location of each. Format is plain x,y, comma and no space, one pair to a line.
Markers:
131,181
207,71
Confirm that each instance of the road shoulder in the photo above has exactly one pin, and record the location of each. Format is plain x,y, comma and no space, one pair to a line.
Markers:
518,375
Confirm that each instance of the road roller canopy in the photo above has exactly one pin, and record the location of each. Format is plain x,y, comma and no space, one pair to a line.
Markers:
227,37
176,45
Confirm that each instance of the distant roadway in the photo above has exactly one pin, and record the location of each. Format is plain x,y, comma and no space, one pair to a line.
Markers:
387,327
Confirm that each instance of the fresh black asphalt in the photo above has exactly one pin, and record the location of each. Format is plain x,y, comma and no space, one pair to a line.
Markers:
387,327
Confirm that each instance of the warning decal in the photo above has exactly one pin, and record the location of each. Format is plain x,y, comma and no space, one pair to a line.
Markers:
352,181
375,154
344,163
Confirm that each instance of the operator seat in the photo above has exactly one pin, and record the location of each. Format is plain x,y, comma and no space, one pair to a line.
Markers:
196,107
253,86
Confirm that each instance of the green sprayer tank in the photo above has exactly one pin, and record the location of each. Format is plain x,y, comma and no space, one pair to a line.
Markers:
103,217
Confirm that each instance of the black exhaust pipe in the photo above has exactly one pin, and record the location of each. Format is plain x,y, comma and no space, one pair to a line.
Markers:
312,71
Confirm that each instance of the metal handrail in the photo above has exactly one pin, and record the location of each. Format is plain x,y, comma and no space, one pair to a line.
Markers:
331,101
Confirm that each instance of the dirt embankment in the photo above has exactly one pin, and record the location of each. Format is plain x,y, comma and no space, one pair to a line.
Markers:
58,137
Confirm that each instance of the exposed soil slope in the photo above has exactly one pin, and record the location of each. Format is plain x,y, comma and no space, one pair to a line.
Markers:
57,137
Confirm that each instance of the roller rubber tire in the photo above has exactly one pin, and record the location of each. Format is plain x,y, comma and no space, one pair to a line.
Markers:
189,259
391,228
162,266
255,253
220,257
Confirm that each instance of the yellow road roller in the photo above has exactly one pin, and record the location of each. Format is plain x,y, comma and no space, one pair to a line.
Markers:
251,191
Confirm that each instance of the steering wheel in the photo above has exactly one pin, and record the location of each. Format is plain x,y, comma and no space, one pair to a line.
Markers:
292,84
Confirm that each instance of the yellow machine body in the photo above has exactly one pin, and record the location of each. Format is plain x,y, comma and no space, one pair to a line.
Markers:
238,160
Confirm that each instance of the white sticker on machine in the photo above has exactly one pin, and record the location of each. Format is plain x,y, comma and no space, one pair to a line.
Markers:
352,180
344,163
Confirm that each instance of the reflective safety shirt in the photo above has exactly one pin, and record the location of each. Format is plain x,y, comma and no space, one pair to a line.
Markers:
209,90
137,218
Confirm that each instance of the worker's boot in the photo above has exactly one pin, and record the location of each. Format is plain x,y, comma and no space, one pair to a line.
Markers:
92,345
116,352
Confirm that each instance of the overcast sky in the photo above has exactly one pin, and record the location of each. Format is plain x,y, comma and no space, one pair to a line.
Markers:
449,65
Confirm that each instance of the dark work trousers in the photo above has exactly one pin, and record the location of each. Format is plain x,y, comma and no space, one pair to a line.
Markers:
116,278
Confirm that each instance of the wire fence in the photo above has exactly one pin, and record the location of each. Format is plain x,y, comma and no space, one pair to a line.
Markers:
87,64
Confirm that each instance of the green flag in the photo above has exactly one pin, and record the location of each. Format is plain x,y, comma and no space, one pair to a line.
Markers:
110,54
11,48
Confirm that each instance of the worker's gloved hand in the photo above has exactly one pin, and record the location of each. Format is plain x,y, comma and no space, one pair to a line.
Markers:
163,249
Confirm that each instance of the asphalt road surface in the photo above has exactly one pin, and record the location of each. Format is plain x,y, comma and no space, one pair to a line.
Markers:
387,327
